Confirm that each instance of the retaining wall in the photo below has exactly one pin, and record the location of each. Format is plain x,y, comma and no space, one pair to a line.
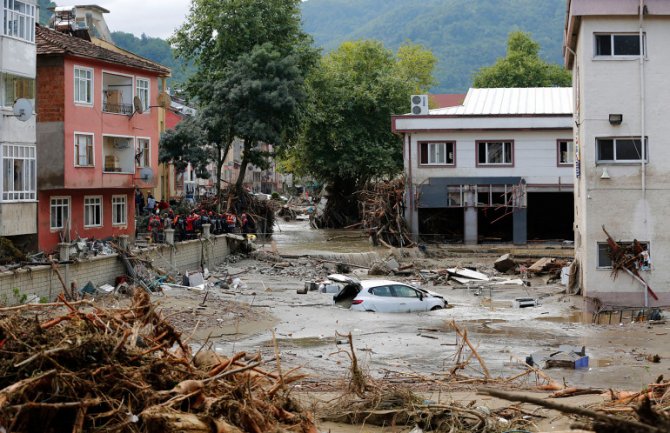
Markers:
43,282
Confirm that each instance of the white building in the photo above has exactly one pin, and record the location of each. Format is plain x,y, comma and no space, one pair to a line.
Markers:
497,168
18,200
621,97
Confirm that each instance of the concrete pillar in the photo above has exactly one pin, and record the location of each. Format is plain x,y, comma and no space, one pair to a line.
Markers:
520,226
123,242
169,236
64,251
205,230
470,230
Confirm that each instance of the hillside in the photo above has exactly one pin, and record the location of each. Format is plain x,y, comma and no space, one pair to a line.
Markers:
463,34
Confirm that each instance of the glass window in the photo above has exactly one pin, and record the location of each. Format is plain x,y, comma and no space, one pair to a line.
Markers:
142,92
19,20
494,153
83,150
625,149
92,211
618,44
83,85
439,153
18,173
566,152
119,210
405,292
143,154
16,87
384,291
59,212
605,259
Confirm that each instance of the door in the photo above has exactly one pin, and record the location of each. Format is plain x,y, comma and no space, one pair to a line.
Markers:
408,299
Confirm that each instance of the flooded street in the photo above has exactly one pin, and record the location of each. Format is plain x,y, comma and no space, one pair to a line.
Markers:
297,237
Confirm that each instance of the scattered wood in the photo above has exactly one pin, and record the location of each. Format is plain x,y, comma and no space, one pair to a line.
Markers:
381,208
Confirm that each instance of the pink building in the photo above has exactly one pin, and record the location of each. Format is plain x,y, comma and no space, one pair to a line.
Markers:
94,143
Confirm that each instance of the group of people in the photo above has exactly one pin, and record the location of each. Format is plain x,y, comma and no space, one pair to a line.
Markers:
151,204
189,226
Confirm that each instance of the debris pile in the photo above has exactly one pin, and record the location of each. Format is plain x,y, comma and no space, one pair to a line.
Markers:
382,209
127,369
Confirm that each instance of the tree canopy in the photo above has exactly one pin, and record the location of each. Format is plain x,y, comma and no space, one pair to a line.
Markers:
522,67
346,139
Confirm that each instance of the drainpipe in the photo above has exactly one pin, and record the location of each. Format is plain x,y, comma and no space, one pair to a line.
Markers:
410,182
642,125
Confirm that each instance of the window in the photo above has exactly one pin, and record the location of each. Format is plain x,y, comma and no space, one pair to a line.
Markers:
16,87
142,91
566,152
83,85
92,211
59,212
405,292
119,210
83,150
19,20
18,173
494,153
618,44
143,155
437,153
643,261
384,291
626,149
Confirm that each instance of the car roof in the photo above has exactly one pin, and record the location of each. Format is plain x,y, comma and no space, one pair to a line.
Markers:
367,284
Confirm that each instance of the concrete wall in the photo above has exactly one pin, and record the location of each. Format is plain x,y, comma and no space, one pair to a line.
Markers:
43,281
18,219
627,206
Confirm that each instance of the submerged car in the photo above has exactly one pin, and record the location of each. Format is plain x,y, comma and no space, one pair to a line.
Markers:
385,296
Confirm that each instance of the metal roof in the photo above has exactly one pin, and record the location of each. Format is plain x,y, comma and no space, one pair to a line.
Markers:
514,102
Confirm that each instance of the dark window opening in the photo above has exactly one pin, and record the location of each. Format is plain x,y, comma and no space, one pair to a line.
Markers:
550,216
441,225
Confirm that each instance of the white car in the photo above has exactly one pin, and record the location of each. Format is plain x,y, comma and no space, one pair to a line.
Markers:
385,296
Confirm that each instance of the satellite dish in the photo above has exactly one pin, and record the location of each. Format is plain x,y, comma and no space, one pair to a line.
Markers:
23,109
146,174
137,102
164,100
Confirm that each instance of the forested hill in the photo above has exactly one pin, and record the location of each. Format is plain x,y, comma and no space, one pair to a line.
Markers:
463,34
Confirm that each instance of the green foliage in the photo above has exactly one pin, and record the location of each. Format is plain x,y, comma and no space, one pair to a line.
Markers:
463,34
183,144
156,50
346,138
522,67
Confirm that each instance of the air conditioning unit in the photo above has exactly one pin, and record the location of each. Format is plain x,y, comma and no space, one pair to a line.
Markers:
419,104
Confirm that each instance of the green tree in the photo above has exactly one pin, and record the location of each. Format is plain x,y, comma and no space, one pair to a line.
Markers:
252,57
522,67
346,140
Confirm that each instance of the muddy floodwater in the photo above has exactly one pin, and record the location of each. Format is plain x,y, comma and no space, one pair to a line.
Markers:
420,345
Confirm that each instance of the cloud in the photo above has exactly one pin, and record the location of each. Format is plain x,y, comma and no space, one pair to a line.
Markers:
158,18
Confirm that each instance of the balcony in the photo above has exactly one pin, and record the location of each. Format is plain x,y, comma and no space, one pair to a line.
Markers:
118,155
117,92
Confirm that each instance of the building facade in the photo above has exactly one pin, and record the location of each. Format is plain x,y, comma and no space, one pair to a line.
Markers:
618,55
97,135
18,200
498,168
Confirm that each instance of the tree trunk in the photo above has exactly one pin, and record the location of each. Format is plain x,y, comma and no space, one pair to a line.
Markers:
222,154
243,166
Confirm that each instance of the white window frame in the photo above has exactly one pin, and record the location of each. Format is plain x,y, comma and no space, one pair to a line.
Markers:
613,56
486,153
432,153
25,20
91,201
142,160
570,152
91,99
119,201
614,144
65,204
11,80
27,154
76,154
139,92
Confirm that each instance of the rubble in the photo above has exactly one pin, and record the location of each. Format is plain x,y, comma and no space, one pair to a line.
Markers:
127,369
382,208
504,263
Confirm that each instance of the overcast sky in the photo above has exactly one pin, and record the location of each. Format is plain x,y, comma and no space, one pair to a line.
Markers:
157,18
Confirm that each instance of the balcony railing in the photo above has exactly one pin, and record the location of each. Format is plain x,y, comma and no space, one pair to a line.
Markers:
117,108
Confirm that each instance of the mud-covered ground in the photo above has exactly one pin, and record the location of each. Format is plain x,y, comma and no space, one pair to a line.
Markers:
406,347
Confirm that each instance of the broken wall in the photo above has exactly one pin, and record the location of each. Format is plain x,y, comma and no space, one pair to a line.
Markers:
43,282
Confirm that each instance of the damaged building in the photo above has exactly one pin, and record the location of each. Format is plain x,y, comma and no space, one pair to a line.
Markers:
619,60
498,168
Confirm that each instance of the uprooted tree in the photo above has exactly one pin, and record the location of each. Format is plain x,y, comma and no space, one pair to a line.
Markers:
346,140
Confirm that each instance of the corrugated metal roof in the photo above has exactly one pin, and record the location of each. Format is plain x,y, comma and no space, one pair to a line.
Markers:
508,101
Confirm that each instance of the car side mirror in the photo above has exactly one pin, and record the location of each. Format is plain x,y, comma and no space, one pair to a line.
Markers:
421,296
